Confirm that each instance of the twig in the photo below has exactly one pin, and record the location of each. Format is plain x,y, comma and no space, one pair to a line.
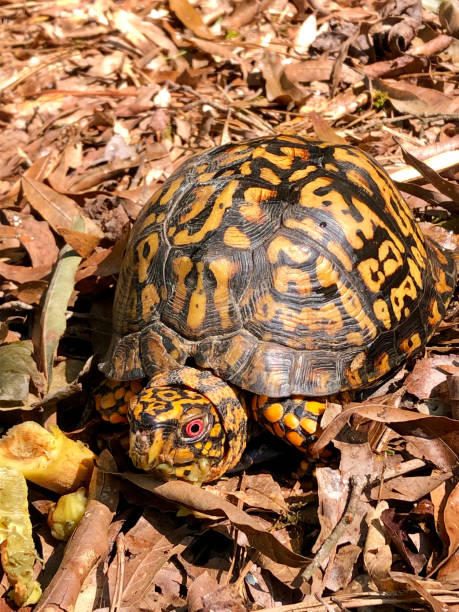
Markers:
356,486
366,600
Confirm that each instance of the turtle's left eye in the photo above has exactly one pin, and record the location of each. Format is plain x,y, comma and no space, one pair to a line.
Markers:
194,428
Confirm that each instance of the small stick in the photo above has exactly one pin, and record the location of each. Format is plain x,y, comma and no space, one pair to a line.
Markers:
356,486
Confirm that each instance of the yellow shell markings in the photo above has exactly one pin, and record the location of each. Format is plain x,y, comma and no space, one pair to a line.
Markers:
284,275
268,175
302,173
146,250
283,162
326,319
223,270
181,266
236,238
296,252
213,221
202,195
402,215
198,301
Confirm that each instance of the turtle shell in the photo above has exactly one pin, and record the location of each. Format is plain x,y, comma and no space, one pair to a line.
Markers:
284,265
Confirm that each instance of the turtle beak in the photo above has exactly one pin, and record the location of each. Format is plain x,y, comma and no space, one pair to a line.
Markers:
145,449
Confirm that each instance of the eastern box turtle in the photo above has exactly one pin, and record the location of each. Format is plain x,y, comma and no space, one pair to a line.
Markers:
260,277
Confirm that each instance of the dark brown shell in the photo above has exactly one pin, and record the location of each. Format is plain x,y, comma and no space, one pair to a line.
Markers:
286,266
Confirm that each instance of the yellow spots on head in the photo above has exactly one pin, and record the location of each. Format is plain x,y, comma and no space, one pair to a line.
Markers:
198,301
273,412
149,299
371,274
435,316
181,266
308,425
246,168
268,175
146,250
381,310
354,338
327,274
283,162
167,195
291,421
298,175
310,199
293,251
295,438
285,275
255,195
382,364
202,195
216,431
208,445
213,220
408,345
398,295
223,270
234,237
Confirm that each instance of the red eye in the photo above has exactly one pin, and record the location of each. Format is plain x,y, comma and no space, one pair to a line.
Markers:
194,428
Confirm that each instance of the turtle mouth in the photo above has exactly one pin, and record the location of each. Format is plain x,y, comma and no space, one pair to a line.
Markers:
154,451
193,472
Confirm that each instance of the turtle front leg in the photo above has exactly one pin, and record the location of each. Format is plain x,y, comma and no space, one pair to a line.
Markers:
294,419
112,398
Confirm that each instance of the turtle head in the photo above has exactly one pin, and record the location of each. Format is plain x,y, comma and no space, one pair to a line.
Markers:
187,424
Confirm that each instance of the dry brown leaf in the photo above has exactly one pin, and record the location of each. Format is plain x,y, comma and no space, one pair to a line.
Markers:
451,521
427,374
191,18
438,437
324,131
57,209
36,237
84,244
377,555
319,69
205,502
415,99
24,274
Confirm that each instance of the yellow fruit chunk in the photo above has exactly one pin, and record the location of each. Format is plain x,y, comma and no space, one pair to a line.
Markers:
47,458
65,515
17,549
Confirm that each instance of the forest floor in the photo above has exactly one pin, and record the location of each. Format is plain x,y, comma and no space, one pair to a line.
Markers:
100,102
